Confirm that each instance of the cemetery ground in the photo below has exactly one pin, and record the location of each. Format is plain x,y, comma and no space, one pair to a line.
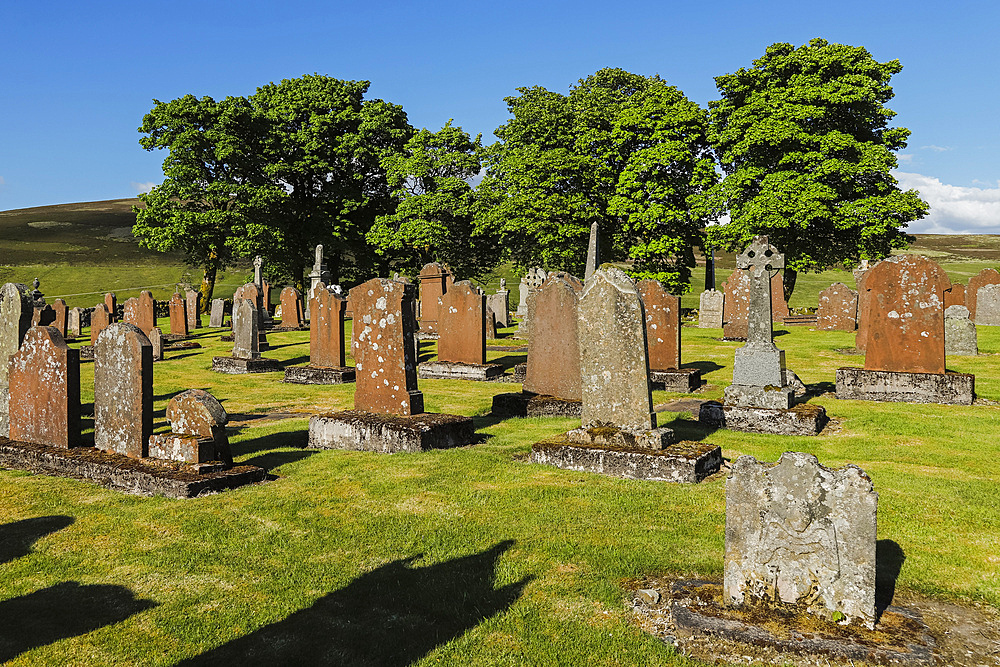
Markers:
472,555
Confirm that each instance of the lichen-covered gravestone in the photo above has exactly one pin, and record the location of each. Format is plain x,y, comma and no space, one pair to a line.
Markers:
710,309
218,315
977,282
178,316
192,303
198,430
461,325
246,322
15,318
802,534
327,356
959,331
291,308
736,305
99,320
45,390
988,305
838,309
123,390
156,340
434,283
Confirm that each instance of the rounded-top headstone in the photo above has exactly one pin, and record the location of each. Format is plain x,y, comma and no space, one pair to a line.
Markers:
196,412
123,390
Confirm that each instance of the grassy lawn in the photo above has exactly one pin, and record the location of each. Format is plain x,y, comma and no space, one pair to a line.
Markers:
468,556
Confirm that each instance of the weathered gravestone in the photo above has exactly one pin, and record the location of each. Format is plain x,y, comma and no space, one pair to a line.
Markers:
530,284
736,305
292,316
955,296
802,534
61,320
988,305
461,326
146,311
619,434
192,305
246,344
434,283
45,390
217,317
905,357
976,282
99,320
759,398
663,337
156,340
319,274
15,319
327,356
499,303
593,252
838,308
551,384
111,303
43,316
779,307
389,409
178,316
960,332
252,293
74,322
198,430
123,390
710,309
861,337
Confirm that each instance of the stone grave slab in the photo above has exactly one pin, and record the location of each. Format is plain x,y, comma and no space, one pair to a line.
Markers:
74,322
663,338
860,384
499,303
292,315
683,462
198,430
388,434
461,349
178,316
327,356
246,357
217,317
192,306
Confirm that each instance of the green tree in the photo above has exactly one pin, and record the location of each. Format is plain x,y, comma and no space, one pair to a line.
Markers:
804,141
210,201
625,150
434,220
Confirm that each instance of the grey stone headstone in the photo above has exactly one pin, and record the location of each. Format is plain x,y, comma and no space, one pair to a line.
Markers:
988,305
16,310
218,315
710,309
74,322
246,328
500,305
530,283
959,332
614,363
800,533
593,253
156,340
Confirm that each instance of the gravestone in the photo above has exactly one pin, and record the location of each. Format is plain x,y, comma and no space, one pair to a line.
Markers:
74,323
43,316
265,296
327,356
736,305
491,324
291,308
663,338
530,283
16,311
123,390
554,350
146,312
838,308
988,305
45,390
984,277
111,303
156,340
802,534
593,252
779,307
198,430
253,293
217,317
246,357
959,331
434,283
192,304
319,274
861,337
710,309
61,320
499,303
178,316
461,349
99,320
955,296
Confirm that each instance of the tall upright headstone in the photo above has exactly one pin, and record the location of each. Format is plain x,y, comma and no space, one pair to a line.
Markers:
218,315
960,336
246,323
178,316
383,349
326,328
291,308
45,390
593,252
838,308
433,285
779,307
861,337
663,325
988,305
16,310
99,320
74,322
710,309
123,390
499,303
461,324
802,534
192,305
554,348
736,305
319,274
530,283
141,311
984,277
111,302
62,316
156,340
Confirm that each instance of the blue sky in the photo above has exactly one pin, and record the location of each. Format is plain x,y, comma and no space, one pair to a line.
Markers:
78,76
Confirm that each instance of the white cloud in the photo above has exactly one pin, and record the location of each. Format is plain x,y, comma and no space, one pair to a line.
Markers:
953,209
936,149
905,157
142,187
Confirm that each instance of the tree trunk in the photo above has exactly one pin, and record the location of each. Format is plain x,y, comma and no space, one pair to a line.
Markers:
208,287
790,276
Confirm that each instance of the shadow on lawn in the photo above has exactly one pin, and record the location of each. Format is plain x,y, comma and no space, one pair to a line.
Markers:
17,537
392,615
508,361
889,558
265,443
62,611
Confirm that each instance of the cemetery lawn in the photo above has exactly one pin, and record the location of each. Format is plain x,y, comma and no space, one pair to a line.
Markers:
468,556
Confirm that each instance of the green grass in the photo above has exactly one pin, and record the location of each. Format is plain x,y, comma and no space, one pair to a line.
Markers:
469,556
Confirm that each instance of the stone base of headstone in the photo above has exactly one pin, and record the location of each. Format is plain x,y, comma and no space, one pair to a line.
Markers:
173,338
452,370
87,352
800,320
182,345
520,372
366,431
683,380
612,436
893,386
227,338
318,375
180,447
237,366
427,335
144,477
281,329
687,462
753,396
526,404
803,419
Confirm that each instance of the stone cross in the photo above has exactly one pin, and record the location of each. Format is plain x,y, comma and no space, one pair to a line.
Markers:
762,260
258,275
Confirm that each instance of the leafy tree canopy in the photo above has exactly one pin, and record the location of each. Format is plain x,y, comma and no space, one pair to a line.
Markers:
804,140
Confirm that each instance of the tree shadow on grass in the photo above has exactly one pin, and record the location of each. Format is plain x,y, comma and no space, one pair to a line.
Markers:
174,357
17,537
889,558
703,366
62,611
294,361
393,615
273,460
687,429
508,361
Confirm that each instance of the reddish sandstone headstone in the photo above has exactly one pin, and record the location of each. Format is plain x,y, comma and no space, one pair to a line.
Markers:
192,303
62,316
45,390
984,277
779,307
147,312
955,296
838,308
326,328
291,308
736,305
43,316
554,345
861,338
178,316
197,413
383,348
99,320
906,315
663,325
123,390
111,302
434,281
462,324
265,296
